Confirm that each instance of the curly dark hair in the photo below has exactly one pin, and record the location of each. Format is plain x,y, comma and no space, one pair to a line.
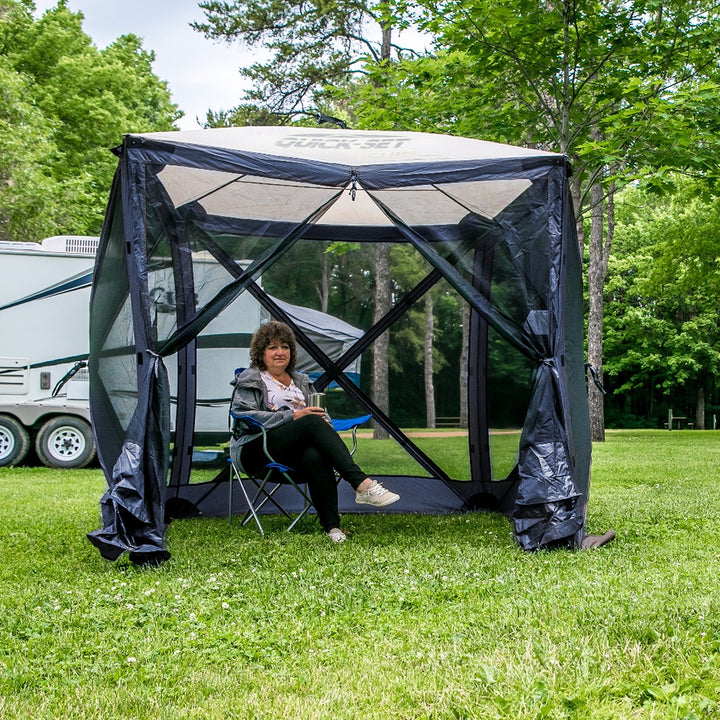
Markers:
266,334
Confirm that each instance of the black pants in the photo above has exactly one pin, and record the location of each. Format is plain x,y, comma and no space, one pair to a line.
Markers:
314,450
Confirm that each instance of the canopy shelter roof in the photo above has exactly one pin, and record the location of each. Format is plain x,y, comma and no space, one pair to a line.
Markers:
222,214
356,148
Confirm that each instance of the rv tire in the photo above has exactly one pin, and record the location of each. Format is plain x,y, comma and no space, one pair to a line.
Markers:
14,441
65,442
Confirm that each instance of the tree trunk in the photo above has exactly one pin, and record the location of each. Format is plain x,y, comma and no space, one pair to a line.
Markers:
464,353
380,386
386,45
595,314
576,192
324,289
428,366
700,407
651,401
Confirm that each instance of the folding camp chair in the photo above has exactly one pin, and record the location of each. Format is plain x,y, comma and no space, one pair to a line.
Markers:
263,489
263,486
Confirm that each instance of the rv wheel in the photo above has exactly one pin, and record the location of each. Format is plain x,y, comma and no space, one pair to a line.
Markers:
14,441
65,442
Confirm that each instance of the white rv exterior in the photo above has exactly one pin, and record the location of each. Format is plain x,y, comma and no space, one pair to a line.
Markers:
44,305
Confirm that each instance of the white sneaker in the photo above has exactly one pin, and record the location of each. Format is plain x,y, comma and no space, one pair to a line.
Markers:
337,535
376,495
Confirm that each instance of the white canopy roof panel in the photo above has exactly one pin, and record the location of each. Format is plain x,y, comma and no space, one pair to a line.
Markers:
349,147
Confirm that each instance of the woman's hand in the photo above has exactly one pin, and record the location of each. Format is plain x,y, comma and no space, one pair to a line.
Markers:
312,410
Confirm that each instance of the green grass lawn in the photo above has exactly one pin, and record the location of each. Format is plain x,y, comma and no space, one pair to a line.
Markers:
414,617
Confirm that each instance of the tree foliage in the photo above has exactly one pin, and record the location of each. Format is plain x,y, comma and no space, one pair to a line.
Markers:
625,89
27,193
305,47
65,103
663,301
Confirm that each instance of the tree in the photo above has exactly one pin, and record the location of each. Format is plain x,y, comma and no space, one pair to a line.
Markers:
381,346
626,89
84,100
30,204
414,352
663,298
430,415
310,44
464,358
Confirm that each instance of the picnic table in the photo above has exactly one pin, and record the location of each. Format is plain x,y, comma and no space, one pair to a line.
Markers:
680,419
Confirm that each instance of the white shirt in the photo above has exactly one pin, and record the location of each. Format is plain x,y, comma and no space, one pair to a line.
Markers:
281,396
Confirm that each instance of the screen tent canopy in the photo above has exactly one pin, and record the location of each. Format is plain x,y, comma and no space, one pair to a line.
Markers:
292,217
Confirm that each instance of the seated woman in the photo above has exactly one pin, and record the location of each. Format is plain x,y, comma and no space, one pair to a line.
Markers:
298,435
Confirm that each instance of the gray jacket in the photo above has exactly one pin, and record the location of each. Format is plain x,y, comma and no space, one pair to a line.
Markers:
250,397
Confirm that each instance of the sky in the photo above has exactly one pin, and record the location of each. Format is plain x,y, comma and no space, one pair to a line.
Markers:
201,74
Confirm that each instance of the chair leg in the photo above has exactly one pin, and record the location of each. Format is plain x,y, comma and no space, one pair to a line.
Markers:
307,502
306,507
230,507
267,496
251,510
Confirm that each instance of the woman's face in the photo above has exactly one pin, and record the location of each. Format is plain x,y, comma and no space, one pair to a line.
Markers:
276,357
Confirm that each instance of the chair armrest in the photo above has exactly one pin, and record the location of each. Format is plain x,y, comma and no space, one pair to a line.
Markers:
349,423
251,423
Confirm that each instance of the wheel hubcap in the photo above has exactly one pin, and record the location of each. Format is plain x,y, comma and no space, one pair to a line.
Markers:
66,443
7,443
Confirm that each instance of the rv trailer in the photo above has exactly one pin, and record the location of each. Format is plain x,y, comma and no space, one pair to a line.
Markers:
44,306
